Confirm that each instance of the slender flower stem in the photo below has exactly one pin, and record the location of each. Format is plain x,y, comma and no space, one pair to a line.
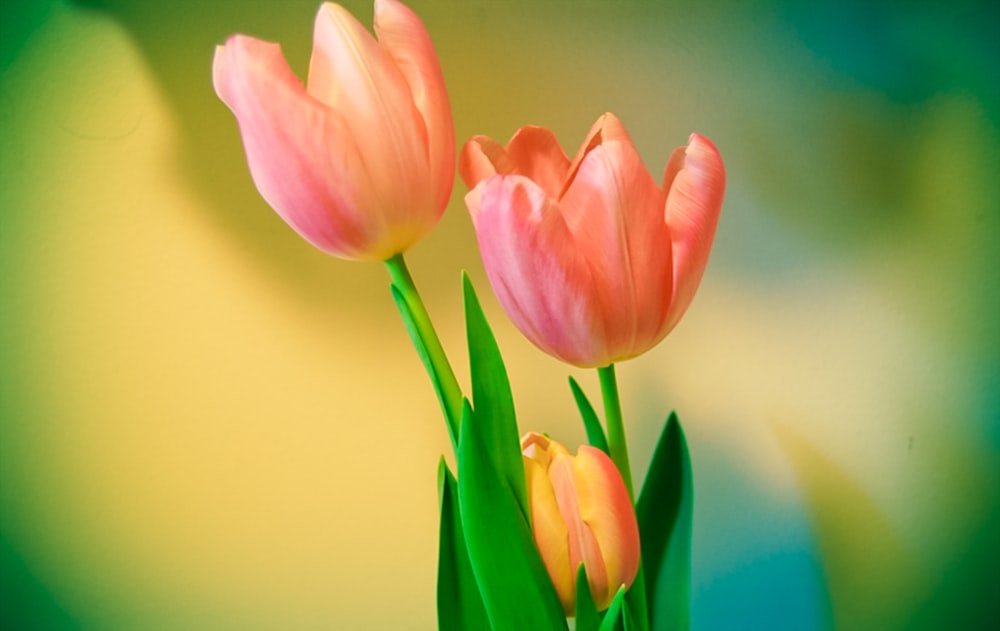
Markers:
616,428
636,596
418,323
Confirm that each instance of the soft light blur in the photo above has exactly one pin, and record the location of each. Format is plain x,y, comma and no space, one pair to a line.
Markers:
207,424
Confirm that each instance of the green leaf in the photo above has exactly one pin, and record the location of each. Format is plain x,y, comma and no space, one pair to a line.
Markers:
614,618
459,605
637,604
512,579
664,514
411,327
491,396
595,433
587,616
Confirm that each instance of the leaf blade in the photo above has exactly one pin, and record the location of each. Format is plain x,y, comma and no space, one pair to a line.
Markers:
516,590
614,617
587,616
491,395
459,605
664,512
591,423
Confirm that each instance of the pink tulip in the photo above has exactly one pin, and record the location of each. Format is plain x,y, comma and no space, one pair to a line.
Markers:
591,259
580,513
360,161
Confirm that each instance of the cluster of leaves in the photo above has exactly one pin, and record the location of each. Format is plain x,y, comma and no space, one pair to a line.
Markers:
490,574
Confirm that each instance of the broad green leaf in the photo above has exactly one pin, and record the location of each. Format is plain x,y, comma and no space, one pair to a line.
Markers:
595,433
614,617
411,327
587,616
491,396
512,579
664,513
459,605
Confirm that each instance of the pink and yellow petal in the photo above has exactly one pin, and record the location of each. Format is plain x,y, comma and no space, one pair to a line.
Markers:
580,542
549,529
605,507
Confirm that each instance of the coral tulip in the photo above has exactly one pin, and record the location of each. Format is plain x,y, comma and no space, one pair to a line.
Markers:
591,259
580,513
360,161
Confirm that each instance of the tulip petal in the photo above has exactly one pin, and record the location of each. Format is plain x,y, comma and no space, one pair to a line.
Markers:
590,141
605,508
537,155
695,179
483,157
583,546
404,36
613,207
351,73
543,284
541,448
607,128
549,530
533,152
290,139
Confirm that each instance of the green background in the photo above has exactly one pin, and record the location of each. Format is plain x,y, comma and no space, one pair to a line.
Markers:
206,424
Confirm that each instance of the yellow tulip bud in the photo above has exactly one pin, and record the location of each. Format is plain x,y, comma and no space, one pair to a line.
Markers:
580,513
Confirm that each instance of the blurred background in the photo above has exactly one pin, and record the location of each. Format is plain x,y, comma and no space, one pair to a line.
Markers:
207,424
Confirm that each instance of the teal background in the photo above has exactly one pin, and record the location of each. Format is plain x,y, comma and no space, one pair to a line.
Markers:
206,424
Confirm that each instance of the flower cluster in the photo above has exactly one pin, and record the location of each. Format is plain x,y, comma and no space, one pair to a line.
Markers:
592,258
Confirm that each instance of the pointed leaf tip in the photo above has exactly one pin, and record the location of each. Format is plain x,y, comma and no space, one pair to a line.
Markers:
614,617
587,616
591,423
459,603
664,511
491,395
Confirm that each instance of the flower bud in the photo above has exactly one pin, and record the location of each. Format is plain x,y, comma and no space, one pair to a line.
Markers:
580,513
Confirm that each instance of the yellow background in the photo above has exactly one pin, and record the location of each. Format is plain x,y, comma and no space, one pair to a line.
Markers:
207,424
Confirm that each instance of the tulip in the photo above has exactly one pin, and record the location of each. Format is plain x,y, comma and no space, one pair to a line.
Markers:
591,259
360,161
580,513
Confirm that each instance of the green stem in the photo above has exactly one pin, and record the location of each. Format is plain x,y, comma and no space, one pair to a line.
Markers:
425,338
616,428
636,596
